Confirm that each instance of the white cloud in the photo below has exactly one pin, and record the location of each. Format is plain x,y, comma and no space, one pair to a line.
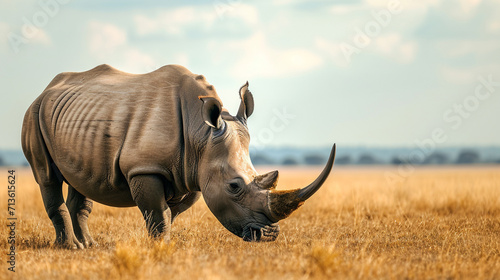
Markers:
4,28
376,3
494,26
331,50
406,5
456,48
389,45
4,35
344,9
177,21
174,21
169,22
464,9
392,45
135,61
460,9
30,34
258,59
456,75
248,14
41,37
407,52
145,25
181,59
105,38
109,42
286,2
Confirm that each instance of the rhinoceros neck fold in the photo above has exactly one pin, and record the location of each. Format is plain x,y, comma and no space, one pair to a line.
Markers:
195,132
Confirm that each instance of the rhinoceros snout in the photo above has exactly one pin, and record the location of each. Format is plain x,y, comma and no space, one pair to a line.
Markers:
256,233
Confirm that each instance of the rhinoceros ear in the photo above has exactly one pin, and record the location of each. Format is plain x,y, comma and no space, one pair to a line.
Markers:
211,111
246,105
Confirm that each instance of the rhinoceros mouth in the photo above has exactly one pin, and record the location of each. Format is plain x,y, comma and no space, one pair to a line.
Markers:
258,233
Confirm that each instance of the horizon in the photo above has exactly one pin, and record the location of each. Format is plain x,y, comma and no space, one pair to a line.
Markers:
315,156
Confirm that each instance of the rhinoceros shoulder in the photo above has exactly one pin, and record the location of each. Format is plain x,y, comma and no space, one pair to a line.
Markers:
174,67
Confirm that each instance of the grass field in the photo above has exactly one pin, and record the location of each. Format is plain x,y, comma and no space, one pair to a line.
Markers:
438,223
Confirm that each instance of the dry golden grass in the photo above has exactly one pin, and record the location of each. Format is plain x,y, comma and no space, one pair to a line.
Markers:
441,223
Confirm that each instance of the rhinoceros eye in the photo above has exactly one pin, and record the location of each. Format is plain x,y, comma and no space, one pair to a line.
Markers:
235,186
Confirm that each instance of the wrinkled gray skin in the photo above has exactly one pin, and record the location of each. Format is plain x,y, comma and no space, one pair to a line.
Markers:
157,141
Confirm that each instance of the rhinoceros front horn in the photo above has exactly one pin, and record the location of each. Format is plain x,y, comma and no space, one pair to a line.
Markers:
283,203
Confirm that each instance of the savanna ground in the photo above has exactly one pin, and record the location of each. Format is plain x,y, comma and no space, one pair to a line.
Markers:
438,223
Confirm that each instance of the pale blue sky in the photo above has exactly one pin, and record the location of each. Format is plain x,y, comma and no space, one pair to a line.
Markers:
407,75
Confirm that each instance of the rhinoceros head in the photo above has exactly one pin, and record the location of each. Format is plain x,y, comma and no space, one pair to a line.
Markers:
246,203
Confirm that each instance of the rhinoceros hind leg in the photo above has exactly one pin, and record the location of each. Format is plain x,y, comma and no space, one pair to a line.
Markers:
149,194
80,208
59,215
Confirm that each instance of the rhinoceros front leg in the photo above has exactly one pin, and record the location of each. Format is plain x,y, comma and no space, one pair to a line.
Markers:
59,215
80,208
149,194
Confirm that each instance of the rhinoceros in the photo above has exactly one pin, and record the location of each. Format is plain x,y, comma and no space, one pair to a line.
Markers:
158,141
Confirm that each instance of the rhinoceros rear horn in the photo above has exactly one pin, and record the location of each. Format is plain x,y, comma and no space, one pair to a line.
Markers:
246,105
283,203
267,181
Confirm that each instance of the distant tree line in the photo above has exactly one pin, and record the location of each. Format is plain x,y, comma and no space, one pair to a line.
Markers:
466,156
